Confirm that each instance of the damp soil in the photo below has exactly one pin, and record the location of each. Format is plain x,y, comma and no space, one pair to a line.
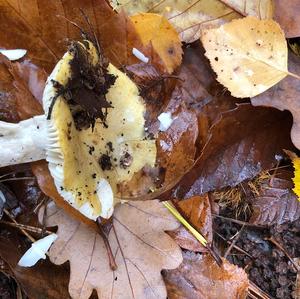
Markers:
269,253
86,91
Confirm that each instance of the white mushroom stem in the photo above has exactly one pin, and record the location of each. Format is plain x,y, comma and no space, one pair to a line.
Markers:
23,142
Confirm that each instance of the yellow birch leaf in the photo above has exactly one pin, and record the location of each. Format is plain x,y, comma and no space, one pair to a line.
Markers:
249,55
156,30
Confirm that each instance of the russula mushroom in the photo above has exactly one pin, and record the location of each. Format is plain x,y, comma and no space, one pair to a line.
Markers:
92,133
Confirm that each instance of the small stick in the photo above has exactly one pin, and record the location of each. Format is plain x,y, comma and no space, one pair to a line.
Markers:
234,246
257,291
233,242
104,235
21,229
239,221
17,179
32,229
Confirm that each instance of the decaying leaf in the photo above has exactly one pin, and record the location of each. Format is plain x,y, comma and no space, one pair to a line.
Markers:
138,241
191,17
276,203
199,276
286,14
197,211
283,96
155,30
249,55
241,145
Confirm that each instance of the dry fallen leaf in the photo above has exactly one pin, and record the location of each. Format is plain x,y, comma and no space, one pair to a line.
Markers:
249,55
199,276
197,211
140,245
188,17
191,17
276,203
283,96
156,31
287,15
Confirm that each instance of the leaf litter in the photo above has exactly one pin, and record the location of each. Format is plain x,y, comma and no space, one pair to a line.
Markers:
215,141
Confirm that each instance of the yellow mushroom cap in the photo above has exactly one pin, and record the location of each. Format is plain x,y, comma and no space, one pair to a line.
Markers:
88,164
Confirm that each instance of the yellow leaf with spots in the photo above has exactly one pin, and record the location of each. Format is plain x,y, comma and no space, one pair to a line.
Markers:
249,55
156,30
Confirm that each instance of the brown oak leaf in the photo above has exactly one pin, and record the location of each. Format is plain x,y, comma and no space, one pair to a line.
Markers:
140,245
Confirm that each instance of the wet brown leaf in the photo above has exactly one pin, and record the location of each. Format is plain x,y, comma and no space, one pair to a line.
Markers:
276,203
283,97
138,241
242,144
45,280
197,211
199,277
286,14
29,82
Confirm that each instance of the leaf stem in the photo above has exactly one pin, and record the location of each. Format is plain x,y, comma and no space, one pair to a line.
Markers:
104,234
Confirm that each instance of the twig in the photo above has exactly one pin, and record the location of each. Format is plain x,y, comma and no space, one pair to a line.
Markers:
21,229
17,179
234,246
253,288
32,229
238,221
104,235
233,242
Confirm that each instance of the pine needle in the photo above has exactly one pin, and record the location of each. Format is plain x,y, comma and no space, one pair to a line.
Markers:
185,223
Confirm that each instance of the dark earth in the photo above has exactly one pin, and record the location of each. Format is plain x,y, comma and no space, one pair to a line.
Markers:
268,267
